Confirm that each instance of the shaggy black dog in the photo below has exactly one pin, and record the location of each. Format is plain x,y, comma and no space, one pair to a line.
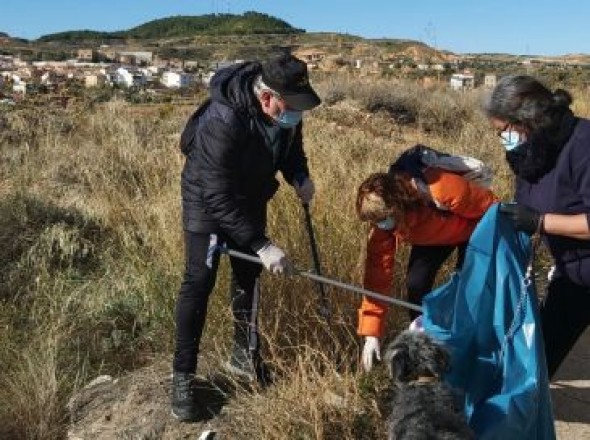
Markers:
423,406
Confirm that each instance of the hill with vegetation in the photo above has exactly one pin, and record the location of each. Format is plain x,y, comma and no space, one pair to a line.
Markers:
248,23
7,41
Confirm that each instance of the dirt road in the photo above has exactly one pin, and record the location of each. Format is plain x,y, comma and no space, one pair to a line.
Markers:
570,391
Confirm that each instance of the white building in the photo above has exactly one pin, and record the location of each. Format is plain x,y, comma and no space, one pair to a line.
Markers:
17,62
94,80
176,80
128,78
462,81
48,78
6,62
154,70
136,57
123,77
490,81
20,88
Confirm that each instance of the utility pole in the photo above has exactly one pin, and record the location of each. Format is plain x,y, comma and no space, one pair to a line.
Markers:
430,32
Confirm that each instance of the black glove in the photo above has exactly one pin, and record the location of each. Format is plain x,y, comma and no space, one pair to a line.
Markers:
524,219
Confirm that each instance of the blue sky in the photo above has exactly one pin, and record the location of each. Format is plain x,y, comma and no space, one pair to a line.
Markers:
512,26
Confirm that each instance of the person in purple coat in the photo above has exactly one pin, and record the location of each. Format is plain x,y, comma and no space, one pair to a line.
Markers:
548,149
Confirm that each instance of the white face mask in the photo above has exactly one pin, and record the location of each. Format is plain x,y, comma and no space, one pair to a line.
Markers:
510,139
387,224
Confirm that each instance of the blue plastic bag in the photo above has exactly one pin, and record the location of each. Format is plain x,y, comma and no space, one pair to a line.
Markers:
487,315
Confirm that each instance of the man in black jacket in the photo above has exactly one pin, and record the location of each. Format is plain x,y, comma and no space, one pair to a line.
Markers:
248,129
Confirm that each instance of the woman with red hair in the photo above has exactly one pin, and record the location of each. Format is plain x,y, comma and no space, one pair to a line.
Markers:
435,214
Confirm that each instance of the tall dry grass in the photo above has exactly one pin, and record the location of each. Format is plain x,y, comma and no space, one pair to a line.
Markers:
91,254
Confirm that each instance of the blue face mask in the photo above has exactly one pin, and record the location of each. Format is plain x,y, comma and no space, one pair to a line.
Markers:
510,139
289,118
387,224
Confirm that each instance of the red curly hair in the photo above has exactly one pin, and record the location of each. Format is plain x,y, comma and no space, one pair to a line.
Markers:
382,195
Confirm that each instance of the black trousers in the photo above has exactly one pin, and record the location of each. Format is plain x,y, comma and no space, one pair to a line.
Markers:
201,264
565,314
423,265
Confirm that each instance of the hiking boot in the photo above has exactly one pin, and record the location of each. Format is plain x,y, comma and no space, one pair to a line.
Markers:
184,405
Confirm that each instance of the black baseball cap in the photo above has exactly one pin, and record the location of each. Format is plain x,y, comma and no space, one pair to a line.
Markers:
287,75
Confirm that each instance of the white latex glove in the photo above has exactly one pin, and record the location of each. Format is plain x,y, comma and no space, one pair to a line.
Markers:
370,349
274,259
305,191
416,325
551,273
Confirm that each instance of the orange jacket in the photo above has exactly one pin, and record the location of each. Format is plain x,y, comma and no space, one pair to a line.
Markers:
466,202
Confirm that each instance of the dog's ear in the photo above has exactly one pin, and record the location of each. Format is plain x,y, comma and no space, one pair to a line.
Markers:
397,362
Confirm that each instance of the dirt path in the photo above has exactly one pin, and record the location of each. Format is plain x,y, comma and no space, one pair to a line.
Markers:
570,391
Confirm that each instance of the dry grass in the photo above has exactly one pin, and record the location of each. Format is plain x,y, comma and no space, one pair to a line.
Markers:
91,254
311,402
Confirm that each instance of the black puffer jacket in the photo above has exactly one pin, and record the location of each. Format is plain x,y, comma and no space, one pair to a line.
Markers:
229,173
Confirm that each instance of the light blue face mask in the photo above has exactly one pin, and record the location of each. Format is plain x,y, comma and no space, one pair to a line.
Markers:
510,139
289,118
387,224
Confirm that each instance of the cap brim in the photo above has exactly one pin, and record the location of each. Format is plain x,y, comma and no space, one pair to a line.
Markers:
303,100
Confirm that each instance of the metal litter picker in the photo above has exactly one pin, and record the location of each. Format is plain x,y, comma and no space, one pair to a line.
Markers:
324,280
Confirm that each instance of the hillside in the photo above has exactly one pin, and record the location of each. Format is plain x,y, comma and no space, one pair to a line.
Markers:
80,36
6,39
226,36
248,23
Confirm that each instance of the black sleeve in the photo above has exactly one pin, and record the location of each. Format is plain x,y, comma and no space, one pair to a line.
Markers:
295,161
220,142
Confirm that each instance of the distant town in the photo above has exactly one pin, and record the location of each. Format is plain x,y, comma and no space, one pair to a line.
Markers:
146,77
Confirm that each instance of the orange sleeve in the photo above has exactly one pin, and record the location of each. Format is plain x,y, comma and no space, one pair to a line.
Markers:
378,277
459,195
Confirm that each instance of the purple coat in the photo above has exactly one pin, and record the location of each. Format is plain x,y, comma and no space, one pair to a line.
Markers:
565,190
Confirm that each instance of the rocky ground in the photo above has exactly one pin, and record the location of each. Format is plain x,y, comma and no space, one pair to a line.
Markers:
137,406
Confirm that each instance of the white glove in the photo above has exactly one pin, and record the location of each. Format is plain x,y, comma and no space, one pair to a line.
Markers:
274,259
370,349
416,325
551,273
305,191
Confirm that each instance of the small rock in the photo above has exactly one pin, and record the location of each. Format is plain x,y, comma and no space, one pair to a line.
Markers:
333,399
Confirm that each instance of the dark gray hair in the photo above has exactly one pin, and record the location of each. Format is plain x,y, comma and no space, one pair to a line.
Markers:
524,100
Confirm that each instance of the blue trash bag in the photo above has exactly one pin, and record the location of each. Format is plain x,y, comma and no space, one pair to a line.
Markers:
488,317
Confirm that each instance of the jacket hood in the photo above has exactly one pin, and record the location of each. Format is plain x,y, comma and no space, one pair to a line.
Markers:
232,86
